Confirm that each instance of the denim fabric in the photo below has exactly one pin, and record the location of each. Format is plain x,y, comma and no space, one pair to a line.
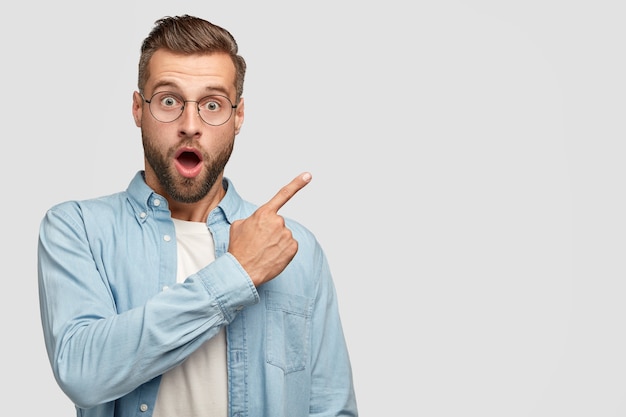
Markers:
114,318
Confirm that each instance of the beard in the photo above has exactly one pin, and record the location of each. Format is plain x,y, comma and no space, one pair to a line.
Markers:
183,189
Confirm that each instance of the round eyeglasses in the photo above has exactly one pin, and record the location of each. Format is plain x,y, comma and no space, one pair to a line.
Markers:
166,107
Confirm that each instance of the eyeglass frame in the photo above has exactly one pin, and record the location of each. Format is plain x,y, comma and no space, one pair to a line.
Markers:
182,109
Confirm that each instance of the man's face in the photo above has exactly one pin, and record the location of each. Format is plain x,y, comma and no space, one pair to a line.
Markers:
185,158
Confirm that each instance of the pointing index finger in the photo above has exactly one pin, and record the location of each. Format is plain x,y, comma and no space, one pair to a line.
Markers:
288,191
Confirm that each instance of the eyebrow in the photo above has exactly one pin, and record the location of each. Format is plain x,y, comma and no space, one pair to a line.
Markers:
164,84
217,89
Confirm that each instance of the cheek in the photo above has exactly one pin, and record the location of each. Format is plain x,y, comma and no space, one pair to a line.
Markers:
160,136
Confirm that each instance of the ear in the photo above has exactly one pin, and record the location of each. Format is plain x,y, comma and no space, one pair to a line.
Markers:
239,116
137,108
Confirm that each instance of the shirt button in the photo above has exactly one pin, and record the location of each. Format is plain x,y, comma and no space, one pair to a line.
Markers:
142,215
167,238
165,287
143,407
157,202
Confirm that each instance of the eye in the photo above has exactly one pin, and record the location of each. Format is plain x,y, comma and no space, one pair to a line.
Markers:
168,100
212,104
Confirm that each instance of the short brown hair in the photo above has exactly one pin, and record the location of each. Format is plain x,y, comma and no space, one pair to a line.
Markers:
190,35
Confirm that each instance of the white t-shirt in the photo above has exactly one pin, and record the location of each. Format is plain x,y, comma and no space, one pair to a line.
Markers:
198,386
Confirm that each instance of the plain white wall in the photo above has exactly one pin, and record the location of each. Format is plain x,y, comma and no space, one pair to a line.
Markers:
468,182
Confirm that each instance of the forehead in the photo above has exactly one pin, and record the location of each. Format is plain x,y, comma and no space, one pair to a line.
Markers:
191,73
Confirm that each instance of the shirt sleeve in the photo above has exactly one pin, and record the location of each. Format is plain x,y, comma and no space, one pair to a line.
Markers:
332,390
99,354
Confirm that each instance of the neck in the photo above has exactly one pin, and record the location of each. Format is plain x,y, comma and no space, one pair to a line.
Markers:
198,211
193,212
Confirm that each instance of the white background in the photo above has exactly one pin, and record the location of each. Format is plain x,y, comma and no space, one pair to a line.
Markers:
468,183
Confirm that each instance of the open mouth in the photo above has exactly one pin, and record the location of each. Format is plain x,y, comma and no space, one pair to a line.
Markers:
188,162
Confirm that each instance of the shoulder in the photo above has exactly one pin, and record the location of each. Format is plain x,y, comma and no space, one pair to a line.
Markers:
78,210
301,232
310,254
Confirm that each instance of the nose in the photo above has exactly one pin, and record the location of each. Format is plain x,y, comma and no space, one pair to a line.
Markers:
190,120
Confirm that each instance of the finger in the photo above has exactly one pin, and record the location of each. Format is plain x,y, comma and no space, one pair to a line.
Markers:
288,191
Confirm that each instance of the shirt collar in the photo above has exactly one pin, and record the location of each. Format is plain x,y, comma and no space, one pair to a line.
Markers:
231,208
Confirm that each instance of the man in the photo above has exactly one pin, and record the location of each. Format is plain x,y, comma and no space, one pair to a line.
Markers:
177,298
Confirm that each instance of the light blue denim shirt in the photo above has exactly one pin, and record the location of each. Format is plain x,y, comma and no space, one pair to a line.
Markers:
114,318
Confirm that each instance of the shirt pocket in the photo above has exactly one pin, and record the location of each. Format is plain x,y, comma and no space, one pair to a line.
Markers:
288,323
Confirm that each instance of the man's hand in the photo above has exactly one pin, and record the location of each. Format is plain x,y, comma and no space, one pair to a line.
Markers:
261,243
